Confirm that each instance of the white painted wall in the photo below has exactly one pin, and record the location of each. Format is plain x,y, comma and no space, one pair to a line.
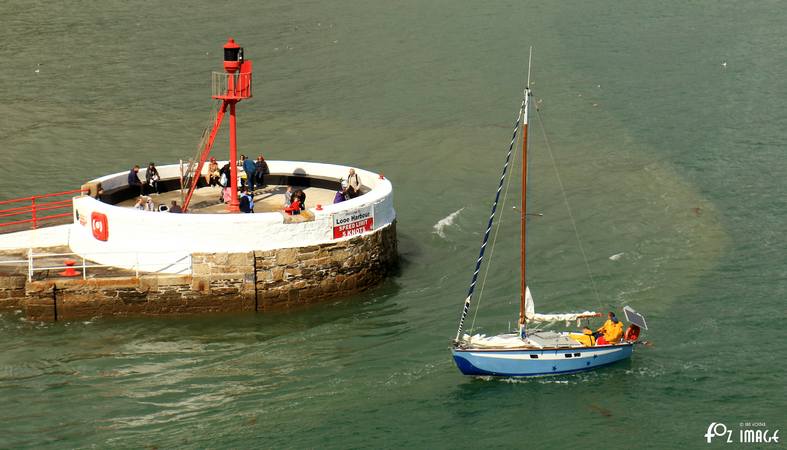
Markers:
163,241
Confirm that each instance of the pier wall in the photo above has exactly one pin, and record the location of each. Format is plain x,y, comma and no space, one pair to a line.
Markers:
220,282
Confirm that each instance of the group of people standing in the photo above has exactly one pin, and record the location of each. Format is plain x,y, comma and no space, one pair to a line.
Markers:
255,175
255,171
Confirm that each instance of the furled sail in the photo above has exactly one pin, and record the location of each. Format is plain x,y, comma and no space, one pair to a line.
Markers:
530,307
532,316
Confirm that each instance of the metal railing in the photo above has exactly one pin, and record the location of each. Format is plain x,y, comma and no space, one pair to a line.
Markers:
34,207
86,264
231,85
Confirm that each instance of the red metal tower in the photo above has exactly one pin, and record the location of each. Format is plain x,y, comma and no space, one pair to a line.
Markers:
230,86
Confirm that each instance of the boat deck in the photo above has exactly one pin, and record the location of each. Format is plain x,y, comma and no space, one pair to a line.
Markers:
534,341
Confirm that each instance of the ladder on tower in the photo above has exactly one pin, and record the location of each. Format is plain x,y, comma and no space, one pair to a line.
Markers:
192,172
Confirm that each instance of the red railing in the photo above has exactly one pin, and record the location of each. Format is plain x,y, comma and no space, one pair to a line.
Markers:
33,208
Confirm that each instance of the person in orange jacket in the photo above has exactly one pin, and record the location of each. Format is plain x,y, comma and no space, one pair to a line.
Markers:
611,332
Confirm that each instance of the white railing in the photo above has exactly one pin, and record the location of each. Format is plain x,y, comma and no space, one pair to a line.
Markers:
231,85
156,268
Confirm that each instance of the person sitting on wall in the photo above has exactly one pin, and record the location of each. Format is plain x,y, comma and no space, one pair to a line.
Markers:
353,184
133,180
295,206
260,170
610,332
213,175
247,201
103,196
341,195
152,178
174,207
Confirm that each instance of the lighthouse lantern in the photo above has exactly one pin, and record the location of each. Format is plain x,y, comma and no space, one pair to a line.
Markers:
233,56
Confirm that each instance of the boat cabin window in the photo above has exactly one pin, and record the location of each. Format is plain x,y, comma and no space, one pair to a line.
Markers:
533,356
567,355
576,354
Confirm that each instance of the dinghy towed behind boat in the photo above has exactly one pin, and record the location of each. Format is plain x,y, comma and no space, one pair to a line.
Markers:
541,352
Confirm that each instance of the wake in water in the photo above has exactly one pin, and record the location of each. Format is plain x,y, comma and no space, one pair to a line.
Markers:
446,221
616,256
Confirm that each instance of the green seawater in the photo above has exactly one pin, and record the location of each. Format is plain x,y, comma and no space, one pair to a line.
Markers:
666,156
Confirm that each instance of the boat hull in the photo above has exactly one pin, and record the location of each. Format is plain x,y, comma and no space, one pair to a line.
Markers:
538,362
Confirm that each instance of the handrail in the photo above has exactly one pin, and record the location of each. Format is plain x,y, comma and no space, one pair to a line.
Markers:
36,206
54,194
31,269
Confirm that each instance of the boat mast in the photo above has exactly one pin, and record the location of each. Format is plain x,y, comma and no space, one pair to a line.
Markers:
523,209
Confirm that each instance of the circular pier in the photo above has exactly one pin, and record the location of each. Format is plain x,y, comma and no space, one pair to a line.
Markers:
108,230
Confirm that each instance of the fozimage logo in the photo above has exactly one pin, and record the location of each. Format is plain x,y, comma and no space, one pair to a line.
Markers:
716,430
748,433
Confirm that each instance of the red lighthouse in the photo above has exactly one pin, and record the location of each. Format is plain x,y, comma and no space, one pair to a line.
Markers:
230,86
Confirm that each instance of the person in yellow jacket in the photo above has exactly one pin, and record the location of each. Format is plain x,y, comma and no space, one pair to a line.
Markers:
586,338
611,332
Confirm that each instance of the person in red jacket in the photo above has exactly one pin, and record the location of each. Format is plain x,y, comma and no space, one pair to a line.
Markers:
294,207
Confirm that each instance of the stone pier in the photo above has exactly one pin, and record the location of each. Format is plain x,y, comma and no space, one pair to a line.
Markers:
220,282
148,263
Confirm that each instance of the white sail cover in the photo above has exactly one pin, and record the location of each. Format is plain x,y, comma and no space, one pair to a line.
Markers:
511,340
532,316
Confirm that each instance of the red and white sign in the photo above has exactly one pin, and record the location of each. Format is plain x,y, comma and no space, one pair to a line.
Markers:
100,226
351,223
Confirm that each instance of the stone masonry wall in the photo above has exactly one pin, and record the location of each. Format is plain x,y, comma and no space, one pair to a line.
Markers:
292,276
66,299
220,282
12,291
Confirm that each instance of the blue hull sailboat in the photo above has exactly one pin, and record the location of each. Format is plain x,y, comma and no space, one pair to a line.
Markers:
535,352
528,362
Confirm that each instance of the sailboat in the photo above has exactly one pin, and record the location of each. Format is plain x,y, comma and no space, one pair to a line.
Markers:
538,352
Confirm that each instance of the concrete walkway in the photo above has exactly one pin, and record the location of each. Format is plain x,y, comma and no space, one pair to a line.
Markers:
40,238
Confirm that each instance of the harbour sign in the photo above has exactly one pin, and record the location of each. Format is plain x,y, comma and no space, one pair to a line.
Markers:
351,223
